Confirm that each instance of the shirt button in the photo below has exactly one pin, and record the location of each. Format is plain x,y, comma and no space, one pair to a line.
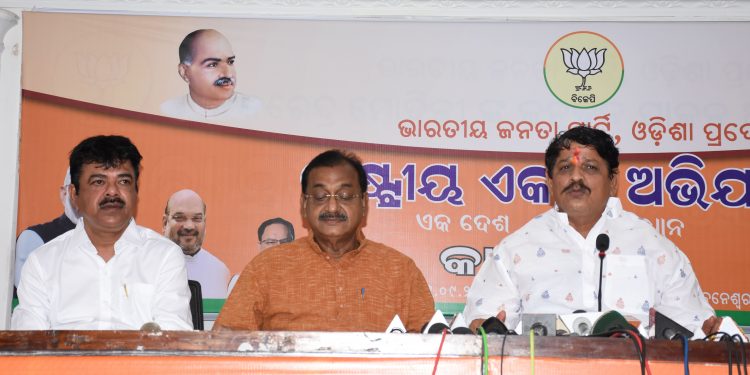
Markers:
341,288
341,306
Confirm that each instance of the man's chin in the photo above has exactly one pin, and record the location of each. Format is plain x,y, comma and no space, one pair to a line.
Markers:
190,251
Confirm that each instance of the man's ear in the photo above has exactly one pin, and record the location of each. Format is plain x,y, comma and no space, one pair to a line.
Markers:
613,184
73,196
550,191
164,219
182,71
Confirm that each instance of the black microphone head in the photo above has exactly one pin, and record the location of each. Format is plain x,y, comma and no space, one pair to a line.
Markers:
494,325
438,328
461,331
602,242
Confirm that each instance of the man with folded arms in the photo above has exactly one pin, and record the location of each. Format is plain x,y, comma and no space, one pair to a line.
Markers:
336,279
108,273
551,264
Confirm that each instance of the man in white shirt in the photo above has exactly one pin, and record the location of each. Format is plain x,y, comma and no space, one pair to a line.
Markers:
207,66
184,223
39,234
107,273
551,264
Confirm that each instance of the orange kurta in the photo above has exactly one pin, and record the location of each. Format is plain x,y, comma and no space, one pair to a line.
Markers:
298,287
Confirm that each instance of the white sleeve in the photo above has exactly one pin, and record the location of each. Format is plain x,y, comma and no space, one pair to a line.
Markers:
171,308
493,290
33,309
683,300
27,242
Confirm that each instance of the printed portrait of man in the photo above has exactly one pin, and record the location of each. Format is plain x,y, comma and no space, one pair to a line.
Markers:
207,66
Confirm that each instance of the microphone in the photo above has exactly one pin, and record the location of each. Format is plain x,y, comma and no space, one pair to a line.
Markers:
494,325
611,321
459,326
437,324
667,328
602,244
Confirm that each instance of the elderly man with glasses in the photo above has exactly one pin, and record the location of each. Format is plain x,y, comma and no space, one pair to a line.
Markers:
335,279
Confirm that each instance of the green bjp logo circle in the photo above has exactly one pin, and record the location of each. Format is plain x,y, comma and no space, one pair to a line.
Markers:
583,69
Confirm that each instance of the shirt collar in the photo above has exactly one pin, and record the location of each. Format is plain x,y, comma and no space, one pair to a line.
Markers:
360,237
207,113
193,258
129,236
612,210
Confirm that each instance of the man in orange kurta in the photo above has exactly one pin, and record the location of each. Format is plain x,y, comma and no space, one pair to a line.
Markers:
336,279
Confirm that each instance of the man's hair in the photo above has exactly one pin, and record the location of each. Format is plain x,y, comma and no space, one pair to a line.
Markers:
166,208
585,136
107,150
332,158
276,220
186,47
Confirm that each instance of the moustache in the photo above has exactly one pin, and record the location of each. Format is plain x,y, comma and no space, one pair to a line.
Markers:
224,81
577,185
112,202
187,232
339,216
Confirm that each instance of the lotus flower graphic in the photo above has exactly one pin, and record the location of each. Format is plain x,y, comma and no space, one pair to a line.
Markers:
584,63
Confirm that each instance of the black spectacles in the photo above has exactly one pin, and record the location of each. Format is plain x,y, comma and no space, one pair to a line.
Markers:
274,242
343,198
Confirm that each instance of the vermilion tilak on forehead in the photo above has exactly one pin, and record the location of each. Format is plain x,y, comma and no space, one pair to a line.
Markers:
576,155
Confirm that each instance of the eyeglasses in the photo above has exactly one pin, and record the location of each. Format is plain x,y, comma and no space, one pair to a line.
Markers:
343,198
274,242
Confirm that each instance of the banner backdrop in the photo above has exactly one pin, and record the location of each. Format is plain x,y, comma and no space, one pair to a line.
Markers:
450,118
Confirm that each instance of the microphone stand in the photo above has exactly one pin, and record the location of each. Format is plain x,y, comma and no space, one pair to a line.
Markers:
602,244
601,270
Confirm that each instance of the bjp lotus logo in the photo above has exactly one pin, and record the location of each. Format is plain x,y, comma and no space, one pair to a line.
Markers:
575,73
584,64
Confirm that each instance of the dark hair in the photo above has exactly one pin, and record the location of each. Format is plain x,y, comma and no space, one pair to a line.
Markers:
585,136
107,150
276,220
186,47
332,158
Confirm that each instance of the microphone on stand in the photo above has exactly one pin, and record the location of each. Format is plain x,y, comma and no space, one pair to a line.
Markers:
602,244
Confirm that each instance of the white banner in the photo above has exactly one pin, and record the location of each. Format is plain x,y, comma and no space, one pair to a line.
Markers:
656,87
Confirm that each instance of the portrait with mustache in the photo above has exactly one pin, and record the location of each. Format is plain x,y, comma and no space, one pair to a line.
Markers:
207,65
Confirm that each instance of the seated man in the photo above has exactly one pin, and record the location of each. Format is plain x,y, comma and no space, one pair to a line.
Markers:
107,273
551,264
184,223
336,279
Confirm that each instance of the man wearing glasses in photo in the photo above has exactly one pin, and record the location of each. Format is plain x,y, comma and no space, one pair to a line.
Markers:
274,232
335,279
271,232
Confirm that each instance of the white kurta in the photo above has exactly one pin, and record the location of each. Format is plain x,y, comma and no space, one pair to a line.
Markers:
237,109
65,284
210,272
548,267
